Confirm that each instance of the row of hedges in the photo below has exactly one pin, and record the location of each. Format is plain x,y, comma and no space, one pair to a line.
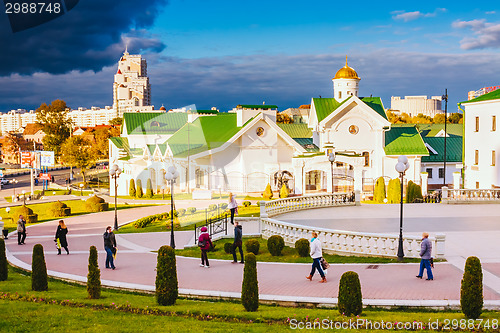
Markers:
147,220
349,294
413,191
275,245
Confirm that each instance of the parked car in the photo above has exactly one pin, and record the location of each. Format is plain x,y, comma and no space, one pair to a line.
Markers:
4,181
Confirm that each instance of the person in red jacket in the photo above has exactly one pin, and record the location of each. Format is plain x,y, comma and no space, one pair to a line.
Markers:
205,243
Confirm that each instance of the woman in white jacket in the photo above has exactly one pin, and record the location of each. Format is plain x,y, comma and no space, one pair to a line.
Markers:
316,254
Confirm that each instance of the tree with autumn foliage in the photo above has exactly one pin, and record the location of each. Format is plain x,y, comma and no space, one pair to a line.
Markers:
55,123
12,144
78,152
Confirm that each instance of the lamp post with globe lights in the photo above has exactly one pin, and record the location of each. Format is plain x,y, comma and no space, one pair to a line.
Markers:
401,167
114,172
171,175
331,158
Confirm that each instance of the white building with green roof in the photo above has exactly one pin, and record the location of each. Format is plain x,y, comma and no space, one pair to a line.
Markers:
481,141
245,149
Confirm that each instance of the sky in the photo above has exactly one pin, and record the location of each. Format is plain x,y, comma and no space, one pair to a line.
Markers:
223,53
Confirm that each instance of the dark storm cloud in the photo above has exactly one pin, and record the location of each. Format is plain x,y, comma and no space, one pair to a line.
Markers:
89,37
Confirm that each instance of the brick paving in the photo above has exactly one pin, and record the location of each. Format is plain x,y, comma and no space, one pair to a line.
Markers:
136,265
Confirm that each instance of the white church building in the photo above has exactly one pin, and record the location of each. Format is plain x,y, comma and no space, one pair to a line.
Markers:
245,149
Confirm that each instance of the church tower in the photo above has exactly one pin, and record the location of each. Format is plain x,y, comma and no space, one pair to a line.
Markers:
345,83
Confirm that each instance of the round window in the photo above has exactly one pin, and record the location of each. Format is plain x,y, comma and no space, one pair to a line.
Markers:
353,129
260,131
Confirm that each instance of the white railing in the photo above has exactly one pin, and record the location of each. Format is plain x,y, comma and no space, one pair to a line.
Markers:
281,206
472,196
350,242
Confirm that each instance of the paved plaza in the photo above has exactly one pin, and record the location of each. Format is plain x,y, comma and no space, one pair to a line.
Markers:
469,229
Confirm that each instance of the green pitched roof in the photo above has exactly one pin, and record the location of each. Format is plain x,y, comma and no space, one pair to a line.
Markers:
486,97
203,134
153,122
256,106
376,104
325,106
122,144
431,130
404,140
296,130
453,149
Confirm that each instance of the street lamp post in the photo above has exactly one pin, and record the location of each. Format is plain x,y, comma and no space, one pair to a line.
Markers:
331,158
401,167
171,176
114,172
24,197
81,190
14,182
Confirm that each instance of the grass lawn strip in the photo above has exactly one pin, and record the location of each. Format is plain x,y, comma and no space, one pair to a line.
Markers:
67,304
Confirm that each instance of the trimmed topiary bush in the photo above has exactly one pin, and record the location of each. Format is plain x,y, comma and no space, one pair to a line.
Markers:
250,285
59,209
228,247
303,247
284,192
38,270
268,193
212,207
131,190
181,212
410,192
191,210
394,191
275,245
4,266
471,291
246,203
166,277
379,192
252,245
138,191
94,275
350,299
28,214
149,189
96,204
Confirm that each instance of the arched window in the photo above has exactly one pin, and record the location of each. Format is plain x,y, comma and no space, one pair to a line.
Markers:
340,94
366,155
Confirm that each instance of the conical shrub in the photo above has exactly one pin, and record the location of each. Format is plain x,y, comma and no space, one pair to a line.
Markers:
149,189
250,285
38,270
4,266
379,192
166,277
131,189
471,291
139,192
268,193
284,192
350,298
94,275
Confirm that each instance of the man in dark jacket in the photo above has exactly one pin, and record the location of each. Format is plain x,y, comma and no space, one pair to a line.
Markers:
238,234
425,254
110,247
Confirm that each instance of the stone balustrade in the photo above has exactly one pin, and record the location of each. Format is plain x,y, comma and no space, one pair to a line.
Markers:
470,195
349,242
281,206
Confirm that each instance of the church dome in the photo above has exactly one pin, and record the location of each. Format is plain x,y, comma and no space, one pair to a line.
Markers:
346,72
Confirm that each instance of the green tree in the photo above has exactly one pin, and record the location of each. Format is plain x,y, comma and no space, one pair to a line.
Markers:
138,191
118,121
78,152
268,193
131,190
283,118
94,275
394,191
284,192
149,189
350,298
250,285
471,291
439,118
39,280
100,147
379,192
166,277
55,123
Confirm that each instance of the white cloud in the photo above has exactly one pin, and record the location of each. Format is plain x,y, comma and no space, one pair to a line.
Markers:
486,35
410,16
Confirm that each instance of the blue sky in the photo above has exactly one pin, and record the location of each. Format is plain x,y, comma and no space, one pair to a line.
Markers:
222,53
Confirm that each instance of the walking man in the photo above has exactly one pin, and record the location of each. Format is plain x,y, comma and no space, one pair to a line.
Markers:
238,243
425,254
21,230
110,247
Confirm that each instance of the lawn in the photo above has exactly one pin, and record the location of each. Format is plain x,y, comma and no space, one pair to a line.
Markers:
289,254
65,307
43,211
187,221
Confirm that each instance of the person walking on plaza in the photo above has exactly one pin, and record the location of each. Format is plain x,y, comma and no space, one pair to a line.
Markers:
233,206
110,247
238,243
425,254
61,233
205,243
21,230
316,254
